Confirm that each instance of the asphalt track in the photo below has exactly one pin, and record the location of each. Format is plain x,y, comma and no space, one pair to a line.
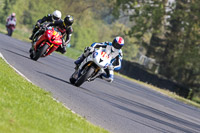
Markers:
120,107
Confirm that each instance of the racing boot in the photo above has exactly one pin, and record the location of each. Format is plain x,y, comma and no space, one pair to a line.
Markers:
31,37
61,49
30,50
82,57
79,60
32,47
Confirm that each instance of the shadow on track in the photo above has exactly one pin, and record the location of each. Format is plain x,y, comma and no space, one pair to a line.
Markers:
16,53
51,76
120,102
59,79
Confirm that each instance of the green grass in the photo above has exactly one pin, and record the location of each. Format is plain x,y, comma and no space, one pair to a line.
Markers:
26,108
163,91
73,53
19,33
196,99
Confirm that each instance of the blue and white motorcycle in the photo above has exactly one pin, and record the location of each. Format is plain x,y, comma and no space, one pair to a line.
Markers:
91,67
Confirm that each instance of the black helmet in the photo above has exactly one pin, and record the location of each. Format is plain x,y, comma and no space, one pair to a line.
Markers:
68,21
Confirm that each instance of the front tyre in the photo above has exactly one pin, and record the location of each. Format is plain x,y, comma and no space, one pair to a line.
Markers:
40,51
87,72
31,53
72,80
10,31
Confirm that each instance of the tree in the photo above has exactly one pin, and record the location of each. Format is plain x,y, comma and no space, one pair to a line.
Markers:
182,47
6,9
174,40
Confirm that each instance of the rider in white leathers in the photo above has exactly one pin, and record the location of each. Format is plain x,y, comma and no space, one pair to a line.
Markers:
113,49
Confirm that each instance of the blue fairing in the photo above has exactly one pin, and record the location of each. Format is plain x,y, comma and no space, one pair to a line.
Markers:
93,44
117,68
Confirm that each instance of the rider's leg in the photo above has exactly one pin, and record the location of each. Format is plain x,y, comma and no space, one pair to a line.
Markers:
79,60
62,47
108,76
82,57
34,31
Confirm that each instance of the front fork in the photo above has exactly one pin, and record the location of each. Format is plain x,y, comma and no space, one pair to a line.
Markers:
95,75
78,72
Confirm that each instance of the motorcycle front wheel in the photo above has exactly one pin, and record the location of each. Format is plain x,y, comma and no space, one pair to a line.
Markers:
87,72
72,79
40,51
10,31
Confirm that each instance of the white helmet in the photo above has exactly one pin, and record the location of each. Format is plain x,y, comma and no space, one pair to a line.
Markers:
56,15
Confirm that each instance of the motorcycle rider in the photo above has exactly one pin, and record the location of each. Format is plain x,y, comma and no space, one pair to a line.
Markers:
56,15
113,49
11,20
65,27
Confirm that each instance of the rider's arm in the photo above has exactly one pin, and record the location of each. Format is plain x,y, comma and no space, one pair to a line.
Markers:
69,32
55,23
45,18
7,20
68,38
118,61
98,45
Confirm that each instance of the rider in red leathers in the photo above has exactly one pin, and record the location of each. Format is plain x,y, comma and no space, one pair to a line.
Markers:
10,24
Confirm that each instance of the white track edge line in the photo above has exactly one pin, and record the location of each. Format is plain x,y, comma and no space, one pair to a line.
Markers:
1,56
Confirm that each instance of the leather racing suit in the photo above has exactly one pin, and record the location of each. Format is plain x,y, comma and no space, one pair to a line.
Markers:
65,31
116,55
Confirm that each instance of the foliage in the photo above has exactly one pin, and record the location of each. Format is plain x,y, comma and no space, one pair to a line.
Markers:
7,5
92,23
168,32
174,41
184,31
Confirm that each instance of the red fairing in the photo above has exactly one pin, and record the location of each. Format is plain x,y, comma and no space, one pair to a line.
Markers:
39,42
50,37
11,22
11,27
53,37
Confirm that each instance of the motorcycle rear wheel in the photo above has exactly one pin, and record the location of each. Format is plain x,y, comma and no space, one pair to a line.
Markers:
84,76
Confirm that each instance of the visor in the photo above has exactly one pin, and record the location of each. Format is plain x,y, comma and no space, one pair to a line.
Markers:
116,45
55,18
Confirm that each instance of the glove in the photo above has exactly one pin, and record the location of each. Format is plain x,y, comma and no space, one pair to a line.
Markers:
90,49
37,25
87,51
44,27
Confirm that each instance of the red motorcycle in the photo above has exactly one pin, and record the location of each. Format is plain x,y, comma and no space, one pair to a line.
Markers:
46,43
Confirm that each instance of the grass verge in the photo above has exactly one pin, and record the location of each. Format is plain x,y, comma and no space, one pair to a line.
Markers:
163,91
19,33
26,108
